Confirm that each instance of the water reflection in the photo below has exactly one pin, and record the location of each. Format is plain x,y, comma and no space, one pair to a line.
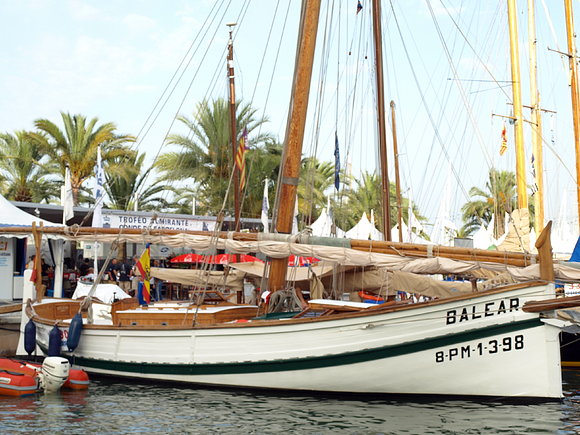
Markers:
112,407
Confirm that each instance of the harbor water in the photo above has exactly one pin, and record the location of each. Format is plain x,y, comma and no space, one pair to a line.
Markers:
111,406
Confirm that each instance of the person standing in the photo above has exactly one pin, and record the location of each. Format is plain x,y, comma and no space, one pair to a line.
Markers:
113,270
157,282
123,276
135,276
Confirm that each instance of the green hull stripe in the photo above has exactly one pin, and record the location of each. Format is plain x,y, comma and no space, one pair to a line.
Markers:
307,362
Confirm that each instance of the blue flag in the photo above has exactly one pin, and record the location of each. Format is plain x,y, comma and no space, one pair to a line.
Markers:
336,162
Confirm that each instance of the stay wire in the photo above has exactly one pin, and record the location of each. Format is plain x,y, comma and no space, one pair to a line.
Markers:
424,102
137,143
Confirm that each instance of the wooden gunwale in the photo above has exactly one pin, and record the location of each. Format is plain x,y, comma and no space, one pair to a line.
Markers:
372,311
10,308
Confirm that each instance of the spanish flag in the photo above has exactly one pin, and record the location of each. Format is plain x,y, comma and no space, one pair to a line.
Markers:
144,267
503,147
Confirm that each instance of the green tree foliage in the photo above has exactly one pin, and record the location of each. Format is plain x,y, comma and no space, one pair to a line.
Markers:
261,163
76,146
23,173
315,178
498,197
364,194
126,188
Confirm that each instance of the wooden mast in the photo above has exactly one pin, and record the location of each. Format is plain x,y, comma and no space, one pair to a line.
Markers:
397,179
574,88
377,37
233,132
517,101
290,170
537,147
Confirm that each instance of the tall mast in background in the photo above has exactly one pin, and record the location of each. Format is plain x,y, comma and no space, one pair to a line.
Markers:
517,101
397,178
537,148
377,36
574,89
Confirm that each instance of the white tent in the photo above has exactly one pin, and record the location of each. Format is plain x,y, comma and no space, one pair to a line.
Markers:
408,236
322,227
482,238
11,215
364,230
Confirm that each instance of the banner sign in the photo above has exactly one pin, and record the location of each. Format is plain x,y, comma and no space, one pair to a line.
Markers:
139,221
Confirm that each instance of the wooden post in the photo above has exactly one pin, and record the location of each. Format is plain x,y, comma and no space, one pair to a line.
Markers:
544,247
290,170
37,261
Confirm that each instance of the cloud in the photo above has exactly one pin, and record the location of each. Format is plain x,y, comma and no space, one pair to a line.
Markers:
84,12
138,23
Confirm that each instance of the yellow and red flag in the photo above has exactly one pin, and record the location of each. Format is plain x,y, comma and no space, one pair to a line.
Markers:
503,147
144,267
241,158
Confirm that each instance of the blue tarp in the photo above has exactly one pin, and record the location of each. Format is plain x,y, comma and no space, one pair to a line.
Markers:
576,252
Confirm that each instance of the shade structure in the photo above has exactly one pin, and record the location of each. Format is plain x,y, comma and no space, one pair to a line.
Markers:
187,258
229,258
214,259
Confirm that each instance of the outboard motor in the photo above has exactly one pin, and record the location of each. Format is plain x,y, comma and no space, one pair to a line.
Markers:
53,373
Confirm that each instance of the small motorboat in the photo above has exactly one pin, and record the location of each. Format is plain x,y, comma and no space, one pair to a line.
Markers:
18,378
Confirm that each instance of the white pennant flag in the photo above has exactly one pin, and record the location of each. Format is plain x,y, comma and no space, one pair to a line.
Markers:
295,221
66,198
265,208
98,191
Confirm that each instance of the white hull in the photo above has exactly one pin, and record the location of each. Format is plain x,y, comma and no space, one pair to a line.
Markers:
488,349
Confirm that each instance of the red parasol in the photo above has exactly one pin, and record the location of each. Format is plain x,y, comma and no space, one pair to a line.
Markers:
230,258
301,261
187,258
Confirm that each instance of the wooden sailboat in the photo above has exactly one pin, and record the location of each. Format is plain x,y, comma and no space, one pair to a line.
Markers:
483,343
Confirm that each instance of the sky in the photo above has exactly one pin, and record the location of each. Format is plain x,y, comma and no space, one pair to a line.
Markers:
446,67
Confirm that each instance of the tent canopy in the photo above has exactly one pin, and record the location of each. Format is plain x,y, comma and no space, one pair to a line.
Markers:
13,216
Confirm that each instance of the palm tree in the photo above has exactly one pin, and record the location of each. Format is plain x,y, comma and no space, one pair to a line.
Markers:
125,188
24,175
315,178
499,197
261,163
366,195
77,146
206,153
